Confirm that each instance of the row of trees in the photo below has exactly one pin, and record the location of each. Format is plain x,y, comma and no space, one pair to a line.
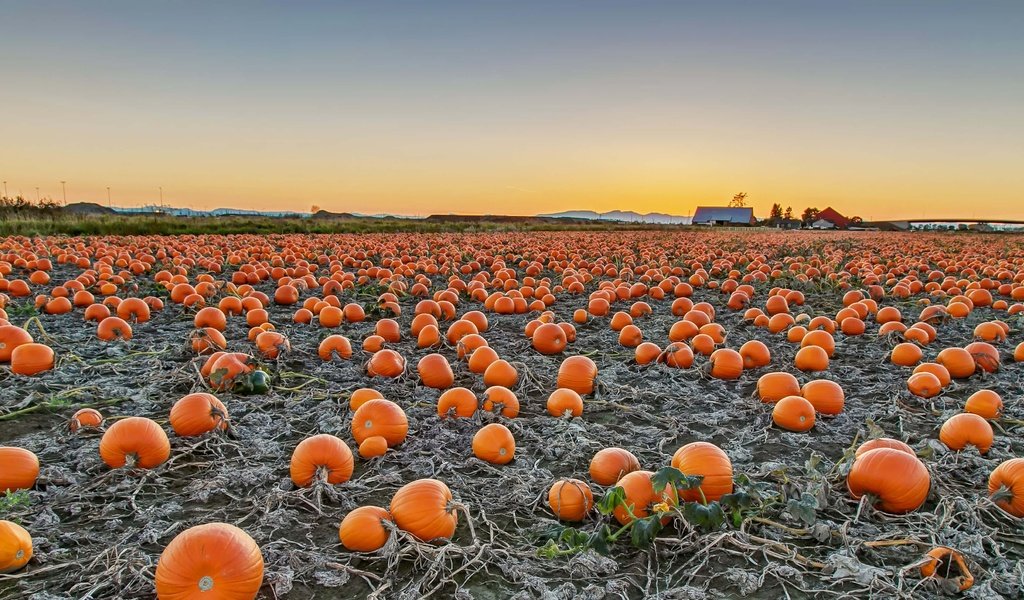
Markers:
807,218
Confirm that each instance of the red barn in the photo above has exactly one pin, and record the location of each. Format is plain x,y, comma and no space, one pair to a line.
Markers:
830,214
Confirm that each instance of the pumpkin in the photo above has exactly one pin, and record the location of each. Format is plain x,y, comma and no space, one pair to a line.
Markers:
924,385
501,399
570,500
385,363
206,341
794,413
677,356
362,396
196,414
630,336
985,403
906,354
884,442
272,344
363,529
772,387
480,359
964,429
457,402
31,359
755,354
827,397
134,441
214,560
15,547
640,496
500,372
710,462
549,338
935,369
423,508
811,358
957,361
646,353
726,364
211,317
322,455
334,346
379,417
897,479
946,563
113,328
578,374
820,338
19,469
495,444
1006,486
373,447
610,464
565,402
435,372
985,356
85,417
10,338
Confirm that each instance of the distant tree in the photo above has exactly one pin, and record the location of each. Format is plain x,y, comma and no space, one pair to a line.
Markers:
810,215
789,213
856,221
314,209
739,200
776,215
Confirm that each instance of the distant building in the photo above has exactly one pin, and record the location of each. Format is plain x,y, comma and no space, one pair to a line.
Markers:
788,223
831,215
823,224
723,215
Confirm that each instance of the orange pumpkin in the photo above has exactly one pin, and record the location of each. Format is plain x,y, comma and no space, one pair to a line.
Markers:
134,441
772,387
610,464
380,417
549,338
726,363
457,402
1006,486
31,359
985,403
710,462
214,560
883,442
502,399
423,508
641,497
435,372
794,413
964,429
898,481
577,373
827,397
15,547
20,469
321,456
500,372
199,413
570,500
363,529
386,363
494,443
565,402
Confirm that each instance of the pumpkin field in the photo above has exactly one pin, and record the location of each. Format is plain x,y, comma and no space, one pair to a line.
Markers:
665,414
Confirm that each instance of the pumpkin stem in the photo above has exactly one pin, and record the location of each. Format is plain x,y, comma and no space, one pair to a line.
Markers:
1003,494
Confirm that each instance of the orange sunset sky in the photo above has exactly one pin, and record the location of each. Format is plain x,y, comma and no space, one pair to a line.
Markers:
879,109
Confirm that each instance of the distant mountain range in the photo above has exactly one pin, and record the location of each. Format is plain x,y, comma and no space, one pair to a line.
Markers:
626,216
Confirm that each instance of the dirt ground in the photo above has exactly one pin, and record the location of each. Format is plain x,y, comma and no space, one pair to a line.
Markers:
99,532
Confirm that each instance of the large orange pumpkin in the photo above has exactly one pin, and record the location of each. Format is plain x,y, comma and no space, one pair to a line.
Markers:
423,508
363,529
380,417
709,461
1006,486
898,480
610,464
323,453
570,499
136,441
19,469
196,414
214,560
15,547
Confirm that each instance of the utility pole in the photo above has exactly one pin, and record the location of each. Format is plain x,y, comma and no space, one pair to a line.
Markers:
108,197
64,192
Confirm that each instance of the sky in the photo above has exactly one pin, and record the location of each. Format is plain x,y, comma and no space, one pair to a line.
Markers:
879,109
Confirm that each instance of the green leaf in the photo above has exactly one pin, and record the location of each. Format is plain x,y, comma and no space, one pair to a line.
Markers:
803,508
812,462
737,501
706,517
611,500
645,530
598,541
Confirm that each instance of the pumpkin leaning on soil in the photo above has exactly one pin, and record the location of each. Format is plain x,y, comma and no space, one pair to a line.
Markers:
134,441
610,464
19,469
570,500
898,481
363,529
15,547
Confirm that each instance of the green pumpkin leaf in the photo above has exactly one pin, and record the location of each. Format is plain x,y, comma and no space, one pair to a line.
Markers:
611,500
803,508
645,530
707,517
